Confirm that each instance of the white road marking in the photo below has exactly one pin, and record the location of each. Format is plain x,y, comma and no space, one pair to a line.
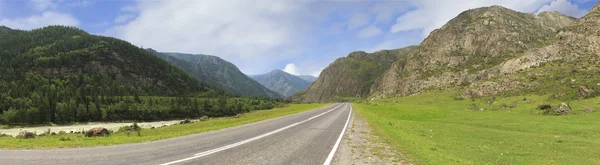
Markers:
205,153
337,144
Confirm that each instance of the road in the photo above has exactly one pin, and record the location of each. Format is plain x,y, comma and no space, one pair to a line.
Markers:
304,138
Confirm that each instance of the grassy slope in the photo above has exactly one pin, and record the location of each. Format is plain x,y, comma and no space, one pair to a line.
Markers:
78,140
436,129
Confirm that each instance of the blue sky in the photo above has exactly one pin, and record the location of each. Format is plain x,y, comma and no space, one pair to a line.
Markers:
300,37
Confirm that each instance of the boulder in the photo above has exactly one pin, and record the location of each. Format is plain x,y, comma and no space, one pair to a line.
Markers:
588,110
203,118
583,91
98,131
562,109
186,121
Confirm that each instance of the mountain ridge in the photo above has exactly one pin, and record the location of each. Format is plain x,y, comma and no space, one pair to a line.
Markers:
282,82
217,72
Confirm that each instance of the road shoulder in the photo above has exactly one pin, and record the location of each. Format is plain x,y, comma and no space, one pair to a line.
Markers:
361,146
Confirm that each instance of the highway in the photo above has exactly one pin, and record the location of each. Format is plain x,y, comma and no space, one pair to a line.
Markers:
306,138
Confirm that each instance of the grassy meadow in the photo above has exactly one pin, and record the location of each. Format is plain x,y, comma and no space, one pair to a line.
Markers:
435,128
79,140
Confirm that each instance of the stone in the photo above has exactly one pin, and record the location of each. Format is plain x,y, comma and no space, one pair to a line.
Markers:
562,109
98,131
588,110
186,121
584,91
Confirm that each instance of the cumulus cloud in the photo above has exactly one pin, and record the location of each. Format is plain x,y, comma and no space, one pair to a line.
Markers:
124,18
369,31
291,69
37,21
428,15
243,32
565,7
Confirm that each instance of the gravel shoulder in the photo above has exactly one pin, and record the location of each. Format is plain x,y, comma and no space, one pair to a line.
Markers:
361,146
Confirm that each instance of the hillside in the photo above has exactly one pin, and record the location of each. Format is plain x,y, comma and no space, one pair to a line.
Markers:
461,51
281,82
485,51
63,74
350,76
217,72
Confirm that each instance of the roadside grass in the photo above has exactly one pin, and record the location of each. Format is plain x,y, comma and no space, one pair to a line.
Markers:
79,140
435,128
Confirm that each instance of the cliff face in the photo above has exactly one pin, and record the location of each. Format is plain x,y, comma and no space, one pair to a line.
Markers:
463,50
350,76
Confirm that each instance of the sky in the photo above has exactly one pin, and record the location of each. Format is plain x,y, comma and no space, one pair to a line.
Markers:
299,37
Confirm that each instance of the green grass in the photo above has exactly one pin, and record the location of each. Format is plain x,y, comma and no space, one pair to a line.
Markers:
78,140
435,128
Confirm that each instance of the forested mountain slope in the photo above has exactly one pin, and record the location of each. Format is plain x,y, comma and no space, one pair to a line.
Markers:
63,74
217,72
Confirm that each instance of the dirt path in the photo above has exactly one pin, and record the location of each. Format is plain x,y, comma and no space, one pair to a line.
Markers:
361,146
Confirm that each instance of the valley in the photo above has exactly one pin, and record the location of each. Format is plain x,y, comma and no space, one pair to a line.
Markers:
494,84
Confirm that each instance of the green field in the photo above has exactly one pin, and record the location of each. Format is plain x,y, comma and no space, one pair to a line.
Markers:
79,140
437,129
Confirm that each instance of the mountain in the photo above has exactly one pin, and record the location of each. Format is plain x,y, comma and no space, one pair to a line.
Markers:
308,78
217,72
350,76
63,74
485,51
463,50
60,53
283,83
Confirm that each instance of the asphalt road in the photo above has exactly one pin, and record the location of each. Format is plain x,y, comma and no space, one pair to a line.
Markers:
304,138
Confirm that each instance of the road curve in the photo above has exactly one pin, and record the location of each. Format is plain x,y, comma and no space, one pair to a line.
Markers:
304,138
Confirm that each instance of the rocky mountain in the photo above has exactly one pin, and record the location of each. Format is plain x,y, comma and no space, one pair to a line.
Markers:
217,72
466,47
485,51
350,76
308,78
283,83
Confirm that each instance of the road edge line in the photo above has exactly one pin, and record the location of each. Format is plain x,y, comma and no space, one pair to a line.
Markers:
337,144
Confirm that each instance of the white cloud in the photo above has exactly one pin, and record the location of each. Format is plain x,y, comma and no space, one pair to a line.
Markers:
124,18
291,69
431,14
247,33
369,31
317,73
358,20
129,9
37,21
43,5
565,7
